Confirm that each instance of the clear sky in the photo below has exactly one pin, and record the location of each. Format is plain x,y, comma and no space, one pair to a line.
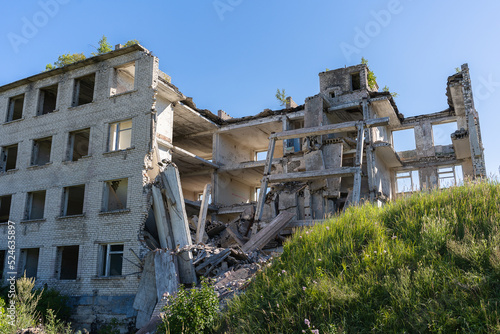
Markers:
234,54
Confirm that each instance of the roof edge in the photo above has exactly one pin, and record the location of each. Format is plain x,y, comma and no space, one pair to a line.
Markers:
73,66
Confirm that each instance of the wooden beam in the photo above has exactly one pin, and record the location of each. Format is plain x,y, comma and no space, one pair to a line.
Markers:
200,230
327,129
312,175
259,240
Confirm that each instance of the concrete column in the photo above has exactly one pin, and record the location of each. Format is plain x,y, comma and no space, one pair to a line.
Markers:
424,140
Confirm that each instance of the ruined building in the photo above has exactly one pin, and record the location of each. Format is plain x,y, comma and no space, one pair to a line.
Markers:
86,173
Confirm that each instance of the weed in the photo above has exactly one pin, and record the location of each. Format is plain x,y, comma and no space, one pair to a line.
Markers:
191,311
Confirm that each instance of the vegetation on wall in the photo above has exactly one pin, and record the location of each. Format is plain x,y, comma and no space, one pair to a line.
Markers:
104,47
64,60
69,58
372,79
386,89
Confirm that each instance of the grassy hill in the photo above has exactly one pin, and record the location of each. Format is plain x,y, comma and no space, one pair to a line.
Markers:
426,263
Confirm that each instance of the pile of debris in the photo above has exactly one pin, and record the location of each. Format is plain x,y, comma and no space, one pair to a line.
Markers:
193,249
226,246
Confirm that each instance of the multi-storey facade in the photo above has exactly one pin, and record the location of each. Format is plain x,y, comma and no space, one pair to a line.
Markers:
80,147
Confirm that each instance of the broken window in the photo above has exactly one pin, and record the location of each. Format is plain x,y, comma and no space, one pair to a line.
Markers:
5,202
84,90
441,133
73,200
41,151
123,79
28,262
404,140
68,265
112,260
78,144
120,135
36,205
115,195
15,110
449,176
355,81
47,100
8,158
407,181
2,262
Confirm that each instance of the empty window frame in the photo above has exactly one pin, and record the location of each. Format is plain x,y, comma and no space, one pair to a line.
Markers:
68,262
83,92
5,203
407,181
449,176
260,155
355,81
111,260
47,100
8,158
28,262
115,195
441,133
78,145
35,207
404,140
15,108
123,79
120,135
73,199
41,151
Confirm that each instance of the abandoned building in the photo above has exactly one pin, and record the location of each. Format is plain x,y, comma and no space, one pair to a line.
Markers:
104,160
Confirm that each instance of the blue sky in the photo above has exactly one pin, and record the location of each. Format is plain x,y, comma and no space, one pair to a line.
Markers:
234,54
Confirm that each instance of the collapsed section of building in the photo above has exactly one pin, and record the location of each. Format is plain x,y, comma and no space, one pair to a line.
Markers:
105,162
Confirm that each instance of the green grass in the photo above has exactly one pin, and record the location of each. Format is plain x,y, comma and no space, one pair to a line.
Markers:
426,263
